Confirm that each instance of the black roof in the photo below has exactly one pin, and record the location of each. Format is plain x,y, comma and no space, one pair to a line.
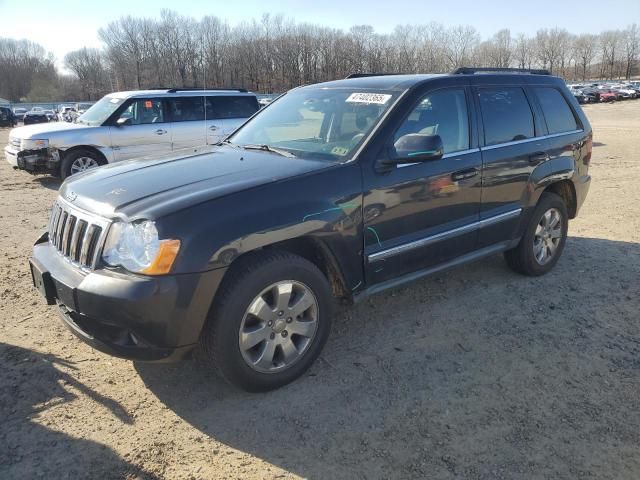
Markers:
401,82
379,82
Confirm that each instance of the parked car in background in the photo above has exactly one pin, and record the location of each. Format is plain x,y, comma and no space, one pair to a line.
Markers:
7,117
584,93
19,112
51,115
35,116
624,91
83,107
580,96
336,191
608,96
67,113
592,93
126,125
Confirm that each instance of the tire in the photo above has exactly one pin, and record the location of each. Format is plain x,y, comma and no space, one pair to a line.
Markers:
71,159
258,369
523,259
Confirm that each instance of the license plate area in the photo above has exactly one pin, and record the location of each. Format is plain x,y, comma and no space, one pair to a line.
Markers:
43,283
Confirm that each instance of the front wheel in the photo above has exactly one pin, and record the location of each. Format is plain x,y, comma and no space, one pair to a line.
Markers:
269,322
78,161
543,241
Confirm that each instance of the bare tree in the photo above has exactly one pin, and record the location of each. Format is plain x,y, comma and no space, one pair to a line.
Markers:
585,46
87,65
272,54
631,47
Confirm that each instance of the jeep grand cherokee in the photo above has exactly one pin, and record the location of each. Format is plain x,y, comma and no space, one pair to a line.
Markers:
335,190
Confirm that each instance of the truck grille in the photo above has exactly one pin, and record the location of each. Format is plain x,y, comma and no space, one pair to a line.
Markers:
77,235
14,142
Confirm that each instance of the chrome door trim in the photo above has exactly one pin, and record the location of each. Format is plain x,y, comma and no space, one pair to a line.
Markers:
384,254
446,155
527,140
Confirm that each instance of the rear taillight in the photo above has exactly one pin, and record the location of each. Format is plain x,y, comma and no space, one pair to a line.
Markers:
588,145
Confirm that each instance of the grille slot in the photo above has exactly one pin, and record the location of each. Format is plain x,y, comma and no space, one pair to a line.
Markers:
76,234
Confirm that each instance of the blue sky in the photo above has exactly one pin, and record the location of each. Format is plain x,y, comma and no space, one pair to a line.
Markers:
64,25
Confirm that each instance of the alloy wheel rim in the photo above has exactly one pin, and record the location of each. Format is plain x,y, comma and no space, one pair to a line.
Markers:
278,327
547,236
81,164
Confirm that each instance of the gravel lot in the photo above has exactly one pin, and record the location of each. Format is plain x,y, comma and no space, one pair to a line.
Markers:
476,373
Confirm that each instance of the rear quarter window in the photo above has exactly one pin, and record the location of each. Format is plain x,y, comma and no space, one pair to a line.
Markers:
557,112
230,106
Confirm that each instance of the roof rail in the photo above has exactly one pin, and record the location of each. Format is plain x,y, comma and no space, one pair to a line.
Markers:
363,75
174,90
471,71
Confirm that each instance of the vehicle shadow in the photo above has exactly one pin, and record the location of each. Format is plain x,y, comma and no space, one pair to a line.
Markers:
32,383
599,144
48,181
467,374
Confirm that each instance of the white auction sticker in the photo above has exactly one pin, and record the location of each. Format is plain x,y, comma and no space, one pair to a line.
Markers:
379,98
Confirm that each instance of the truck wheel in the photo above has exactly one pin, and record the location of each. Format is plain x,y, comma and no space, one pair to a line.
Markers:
543,241
78,161
269,321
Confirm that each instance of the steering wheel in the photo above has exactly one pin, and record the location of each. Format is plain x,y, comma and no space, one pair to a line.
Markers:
356,138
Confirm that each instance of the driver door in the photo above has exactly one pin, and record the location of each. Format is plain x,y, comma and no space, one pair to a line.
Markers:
141,130
420,215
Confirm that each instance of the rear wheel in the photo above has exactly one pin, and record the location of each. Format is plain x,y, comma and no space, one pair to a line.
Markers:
544,239
269,322
78,161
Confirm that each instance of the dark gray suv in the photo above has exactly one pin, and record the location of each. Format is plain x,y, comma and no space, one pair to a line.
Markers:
333,191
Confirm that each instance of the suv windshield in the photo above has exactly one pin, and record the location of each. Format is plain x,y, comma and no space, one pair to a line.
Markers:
316,123
100,111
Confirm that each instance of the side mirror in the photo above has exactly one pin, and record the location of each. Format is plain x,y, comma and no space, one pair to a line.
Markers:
415,147
121,122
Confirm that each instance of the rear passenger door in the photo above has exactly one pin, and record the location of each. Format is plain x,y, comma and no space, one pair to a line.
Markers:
565,133
187,121
511,150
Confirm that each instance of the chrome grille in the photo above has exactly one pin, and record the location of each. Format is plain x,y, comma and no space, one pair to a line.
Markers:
77,235
14,142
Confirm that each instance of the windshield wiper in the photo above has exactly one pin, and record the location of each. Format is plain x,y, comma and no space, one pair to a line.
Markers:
267,148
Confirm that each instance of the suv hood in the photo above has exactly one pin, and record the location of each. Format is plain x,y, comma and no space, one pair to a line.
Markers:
43,130
153,187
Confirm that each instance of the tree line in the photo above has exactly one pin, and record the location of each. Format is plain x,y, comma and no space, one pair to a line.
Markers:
273,54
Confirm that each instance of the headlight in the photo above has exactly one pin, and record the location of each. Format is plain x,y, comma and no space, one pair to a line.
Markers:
136,247
33,144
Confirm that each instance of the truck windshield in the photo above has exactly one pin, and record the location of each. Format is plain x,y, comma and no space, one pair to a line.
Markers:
318,123
100,111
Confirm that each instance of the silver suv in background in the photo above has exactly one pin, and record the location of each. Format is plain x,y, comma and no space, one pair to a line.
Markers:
128,125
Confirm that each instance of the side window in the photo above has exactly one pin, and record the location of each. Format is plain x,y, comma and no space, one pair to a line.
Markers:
142,111
444,113
557,113
186,109
506,115
229,106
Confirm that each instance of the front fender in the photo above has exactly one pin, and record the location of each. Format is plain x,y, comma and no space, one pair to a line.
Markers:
324,205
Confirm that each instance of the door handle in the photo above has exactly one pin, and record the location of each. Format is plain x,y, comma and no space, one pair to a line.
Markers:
464,174
213,128
539,157
160,132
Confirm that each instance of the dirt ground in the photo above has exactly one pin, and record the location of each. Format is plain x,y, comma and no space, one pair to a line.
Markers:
476,373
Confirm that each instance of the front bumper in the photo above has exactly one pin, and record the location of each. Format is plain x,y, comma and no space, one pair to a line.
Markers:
122,314
45,159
